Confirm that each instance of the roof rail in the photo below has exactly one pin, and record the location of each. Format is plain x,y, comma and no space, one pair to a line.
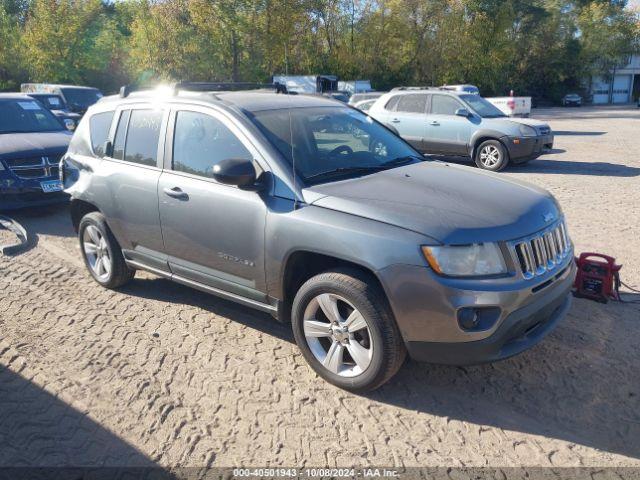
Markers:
226,86
126,90
415,88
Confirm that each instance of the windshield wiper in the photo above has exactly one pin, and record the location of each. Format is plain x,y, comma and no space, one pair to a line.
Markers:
365,168
346,170
396,162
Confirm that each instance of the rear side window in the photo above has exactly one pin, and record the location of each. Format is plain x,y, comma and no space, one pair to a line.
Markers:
391,104
143,135
444,105
99,127
412,103
201,141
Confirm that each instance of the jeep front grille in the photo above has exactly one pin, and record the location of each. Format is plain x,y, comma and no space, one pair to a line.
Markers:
544,251
34,167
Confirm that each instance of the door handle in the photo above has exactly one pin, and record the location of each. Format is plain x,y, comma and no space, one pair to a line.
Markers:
176,192
395,120
435,123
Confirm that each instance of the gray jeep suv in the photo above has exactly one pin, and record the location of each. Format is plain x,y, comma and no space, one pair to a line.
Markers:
312,211
440,121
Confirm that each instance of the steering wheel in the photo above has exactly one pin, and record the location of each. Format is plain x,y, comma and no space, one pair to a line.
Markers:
341,150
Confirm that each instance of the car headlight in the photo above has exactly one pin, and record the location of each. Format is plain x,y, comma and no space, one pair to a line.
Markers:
466,261
1,166
527,131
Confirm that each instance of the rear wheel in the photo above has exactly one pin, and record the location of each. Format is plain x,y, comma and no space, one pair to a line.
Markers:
346,331
101,253
491,155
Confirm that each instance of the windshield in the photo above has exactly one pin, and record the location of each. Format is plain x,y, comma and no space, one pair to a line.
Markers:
481,106
81,97
332,142
23,116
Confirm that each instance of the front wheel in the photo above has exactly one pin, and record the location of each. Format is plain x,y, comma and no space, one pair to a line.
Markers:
346,331
491,155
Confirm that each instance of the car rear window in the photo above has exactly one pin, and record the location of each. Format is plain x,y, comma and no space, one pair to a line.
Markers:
99,127
391,104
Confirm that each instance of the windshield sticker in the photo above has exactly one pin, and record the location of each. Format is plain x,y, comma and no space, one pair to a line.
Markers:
54,101
29,105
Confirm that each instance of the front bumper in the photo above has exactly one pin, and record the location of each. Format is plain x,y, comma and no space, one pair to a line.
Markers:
28,197
522,149
518,332
426,309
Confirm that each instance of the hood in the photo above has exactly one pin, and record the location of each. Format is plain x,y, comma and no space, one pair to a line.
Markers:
450,203
18,145
528,121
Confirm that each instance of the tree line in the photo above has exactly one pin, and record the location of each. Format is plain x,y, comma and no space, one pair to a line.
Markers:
542,48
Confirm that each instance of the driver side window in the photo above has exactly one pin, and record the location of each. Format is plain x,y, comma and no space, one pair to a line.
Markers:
201,141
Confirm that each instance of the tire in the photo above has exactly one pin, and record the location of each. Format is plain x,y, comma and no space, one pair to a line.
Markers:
101,253
364,326
496,158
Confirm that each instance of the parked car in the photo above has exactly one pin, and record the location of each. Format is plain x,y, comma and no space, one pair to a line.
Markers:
454,123
32,142
364,105
571,99
56,105
77,98
366,248
359,97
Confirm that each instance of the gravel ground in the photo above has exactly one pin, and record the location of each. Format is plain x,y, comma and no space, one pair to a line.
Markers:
158,374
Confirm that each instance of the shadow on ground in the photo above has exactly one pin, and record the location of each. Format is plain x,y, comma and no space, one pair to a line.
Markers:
41,436
565,388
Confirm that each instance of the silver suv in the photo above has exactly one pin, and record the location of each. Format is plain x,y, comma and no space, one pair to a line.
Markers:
439,121
310,210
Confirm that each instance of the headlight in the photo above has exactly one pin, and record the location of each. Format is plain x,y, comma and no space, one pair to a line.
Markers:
1,166
466,261
527,131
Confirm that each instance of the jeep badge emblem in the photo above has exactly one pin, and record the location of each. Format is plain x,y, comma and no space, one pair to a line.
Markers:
548,217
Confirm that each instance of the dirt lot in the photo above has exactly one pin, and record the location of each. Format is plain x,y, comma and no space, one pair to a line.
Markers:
160,374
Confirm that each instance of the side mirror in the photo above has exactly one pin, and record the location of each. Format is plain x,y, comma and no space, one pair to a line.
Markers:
69,124
463,112
107,149
235,171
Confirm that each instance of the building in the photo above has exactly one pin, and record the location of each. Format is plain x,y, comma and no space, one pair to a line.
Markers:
621,86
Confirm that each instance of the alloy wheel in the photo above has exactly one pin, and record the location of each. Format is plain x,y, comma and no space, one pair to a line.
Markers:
489,156
95,249
338,335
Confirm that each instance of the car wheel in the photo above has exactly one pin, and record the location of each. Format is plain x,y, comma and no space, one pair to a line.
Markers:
101,252
491,155
346,331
